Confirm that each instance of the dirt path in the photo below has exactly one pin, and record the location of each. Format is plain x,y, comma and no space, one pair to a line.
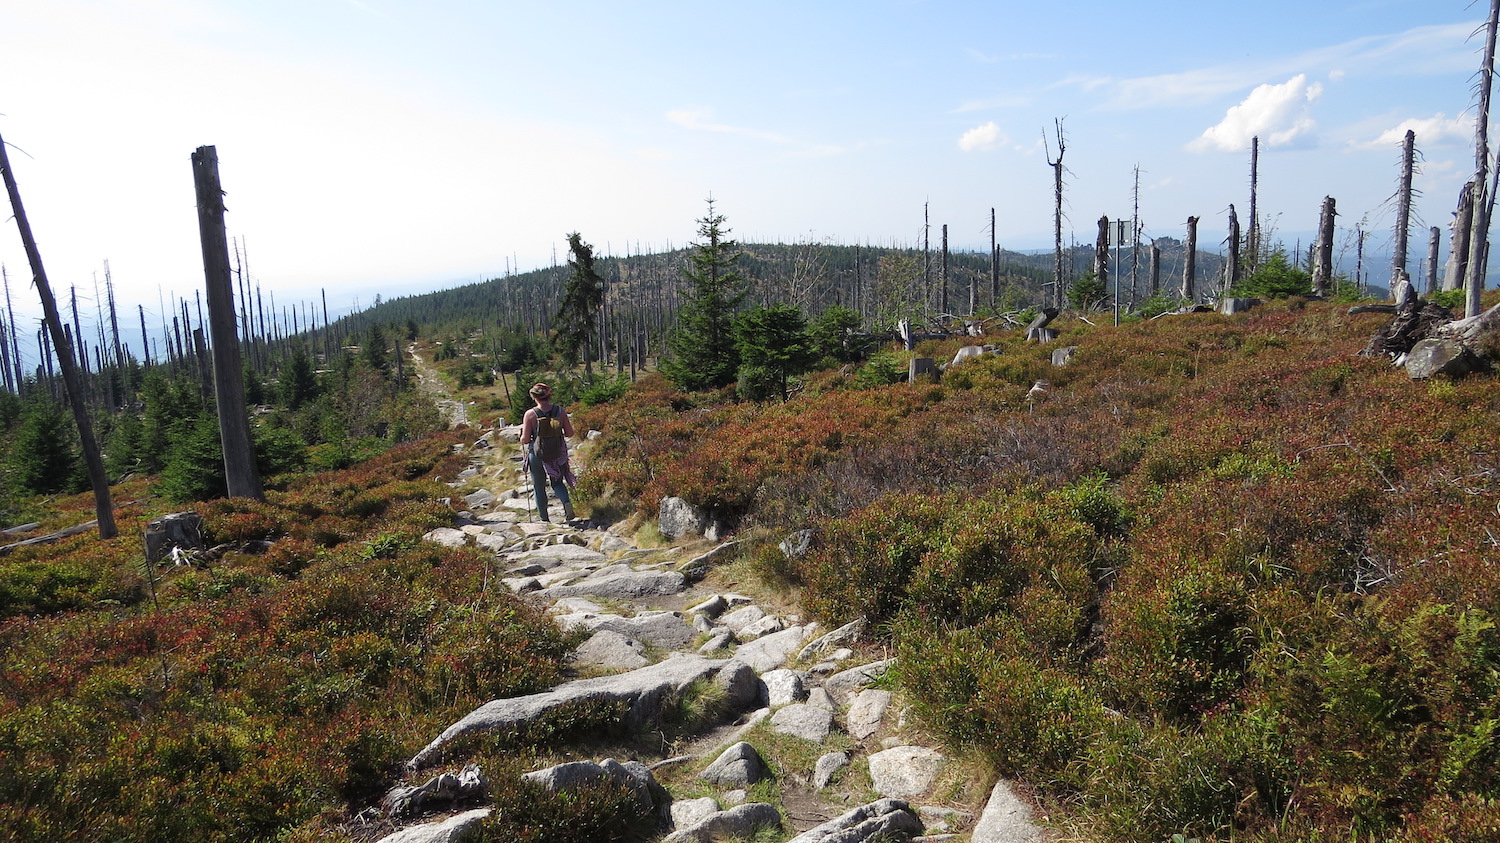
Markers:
452,409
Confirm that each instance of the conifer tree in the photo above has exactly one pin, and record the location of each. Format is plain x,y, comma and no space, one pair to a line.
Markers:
578,313
773,344
704,355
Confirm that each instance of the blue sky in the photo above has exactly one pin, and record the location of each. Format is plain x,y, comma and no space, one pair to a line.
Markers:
372,145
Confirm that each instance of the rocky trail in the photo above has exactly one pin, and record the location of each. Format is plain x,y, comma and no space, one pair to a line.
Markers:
808,745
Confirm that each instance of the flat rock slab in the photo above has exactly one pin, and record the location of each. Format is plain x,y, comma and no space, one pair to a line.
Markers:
642,689
609,649
621,586
446,537
560,554
906,772
741,618
804,721
667,630
843,686
451,830
890,817
772,651
1006,819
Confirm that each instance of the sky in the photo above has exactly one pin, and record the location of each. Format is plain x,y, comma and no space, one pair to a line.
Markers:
386,147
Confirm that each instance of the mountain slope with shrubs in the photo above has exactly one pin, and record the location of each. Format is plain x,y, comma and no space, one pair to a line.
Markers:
1219,577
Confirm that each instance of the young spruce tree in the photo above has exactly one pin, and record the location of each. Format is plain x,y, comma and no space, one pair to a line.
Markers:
704,355
578,314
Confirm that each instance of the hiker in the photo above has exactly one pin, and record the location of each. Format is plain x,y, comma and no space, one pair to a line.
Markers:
544,432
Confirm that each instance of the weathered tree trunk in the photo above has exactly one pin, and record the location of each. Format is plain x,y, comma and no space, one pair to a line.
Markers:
1403,207
1322,279
1135,237
1252,238
994,265
240,473
1056,164
1101,257
1190,261
1232,276
103,506
1479,236
943,282
1462,226
1155,270
1433,243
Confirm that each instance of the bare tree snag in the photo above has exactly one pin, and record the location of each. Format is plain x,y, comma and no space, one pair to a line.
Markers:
1056,164
1155,270
1252,238
1322,280
1403,207
1458,244
1433,244
1101,257
1483,194
240,473
1190,261
1232,268
103,506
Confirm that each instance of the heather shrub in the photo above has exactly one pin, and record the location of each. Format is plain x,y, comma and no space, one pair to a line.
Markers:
604,812
1178,644
986,693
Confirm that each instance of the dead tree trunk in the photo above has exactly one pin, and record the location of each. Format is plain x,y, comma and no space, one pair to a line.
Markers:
1232,275
1479,236
943,307
1322,279
1458,243
241,476
1190,261
103,506
1403,206
1057,195
1432,259
1252,239
994,266
1155,270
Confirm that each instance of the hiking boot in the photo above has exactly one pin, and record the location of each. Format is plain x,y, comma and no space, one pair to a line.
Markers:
567,510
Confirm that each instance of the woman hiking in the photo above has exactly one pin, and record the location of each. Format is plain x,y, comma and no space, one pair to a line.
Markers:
544,433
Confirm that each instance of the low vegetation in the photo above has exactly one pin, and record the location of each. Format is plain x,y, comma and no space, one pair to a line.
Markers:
1217,577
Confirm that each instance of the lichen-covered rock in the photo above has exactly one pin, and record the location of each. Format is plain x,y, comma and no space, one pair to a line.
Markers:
1006,819
804,721
866,712
738,766
450,830
737,823
889,817
906,772
827,767
676,517
641,690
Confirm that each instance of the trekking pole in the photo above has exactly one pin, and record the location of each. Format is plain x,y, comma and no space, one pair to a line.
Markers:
526,469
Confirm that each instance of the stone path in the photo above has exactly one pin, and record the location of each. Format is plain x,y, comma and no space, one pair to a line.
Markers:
798,699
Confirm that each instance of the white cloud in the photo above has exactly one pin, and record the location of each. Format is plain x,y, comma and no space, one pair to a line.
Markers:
1420,51
702,120
1001,101
982,138
1280,115
1436,130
